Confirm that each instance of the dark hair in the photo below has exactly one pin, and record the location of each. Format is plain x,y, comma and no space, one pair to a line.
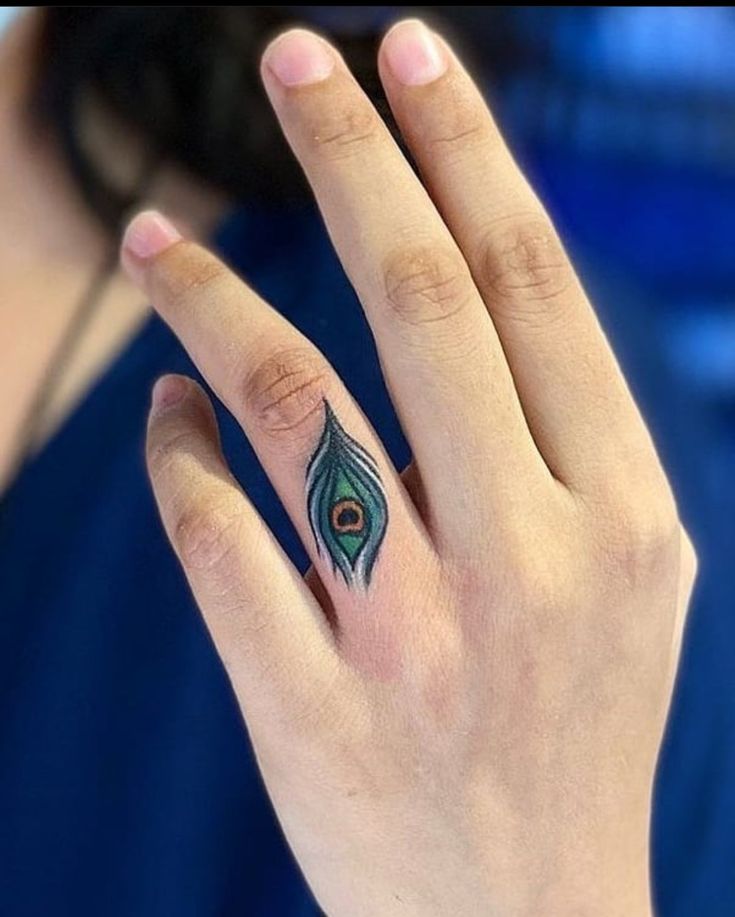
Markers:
186,80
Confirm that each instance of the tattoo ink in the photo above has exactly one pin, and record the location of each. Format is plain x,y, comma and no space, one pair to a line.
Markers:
348,512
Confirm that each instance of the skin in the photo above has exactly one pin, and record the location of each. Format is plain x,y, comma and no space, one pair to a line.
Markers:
49,241
476,731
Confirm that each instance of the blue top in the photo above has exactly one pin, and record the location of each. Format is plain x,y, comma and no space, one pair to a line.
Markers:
127,784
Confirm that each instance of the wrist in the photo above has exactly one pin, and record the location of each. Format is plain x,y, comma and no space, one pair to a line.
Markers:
574,868
582,889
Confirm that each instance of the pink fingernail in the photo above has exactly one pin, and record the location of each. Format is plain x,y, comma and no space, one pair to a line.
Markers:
413,53
299,58
148,234
167,391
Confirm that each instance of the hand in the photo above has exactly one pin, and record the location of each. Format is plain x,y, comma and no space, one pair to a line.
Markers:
459,711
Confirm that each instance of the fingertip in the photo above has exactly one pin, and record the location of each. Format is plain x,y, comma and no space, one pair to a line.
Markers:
147,235
298,57
413,54
169,391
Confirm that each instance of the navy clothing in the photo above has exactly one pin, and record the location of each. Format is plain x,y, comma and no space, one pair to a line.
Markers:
127,784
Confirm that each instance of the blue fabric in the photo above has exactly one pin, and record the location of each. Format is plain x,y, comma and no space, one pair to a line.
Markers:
127,784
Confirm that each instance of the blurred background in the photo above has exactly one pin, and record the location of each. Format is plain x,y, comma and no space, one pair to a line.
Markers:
624,119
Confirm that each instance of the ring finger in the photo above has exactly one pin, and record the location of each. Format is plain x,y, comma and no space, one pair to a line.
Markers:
324,460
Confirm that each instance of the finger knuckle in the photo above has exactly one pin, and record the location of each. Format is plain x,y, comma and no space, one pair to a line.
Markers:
190,272
641,538
438,682
343,131
205,537
522,261
286,389
689,558
426,283
242,623
317,713
540,593
162,453
462,126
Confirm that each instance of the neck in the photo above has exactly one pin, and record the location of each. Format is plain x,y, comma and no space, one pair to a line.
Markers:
43,217
51,247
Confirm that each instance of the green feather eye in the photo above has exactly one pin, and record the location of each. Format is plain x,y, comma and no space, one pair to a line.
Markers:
348,512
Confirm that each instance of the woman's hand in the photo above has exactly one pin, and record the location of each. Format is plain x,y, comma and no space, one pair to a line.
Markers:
459,711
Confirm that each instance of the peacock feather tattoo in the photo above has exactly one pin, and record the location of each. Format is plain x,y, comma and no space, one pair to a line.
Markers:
348,512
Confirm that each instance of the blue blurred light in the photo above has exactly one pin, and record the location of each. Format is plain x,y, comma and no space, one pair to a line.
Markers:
7,15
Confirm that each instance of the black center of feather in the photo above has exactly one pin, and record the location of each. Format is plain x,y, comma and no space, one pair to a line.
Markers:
348,517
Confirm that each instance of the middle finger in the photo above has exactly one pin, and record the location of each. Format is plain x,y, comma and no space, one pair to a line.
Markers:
443,362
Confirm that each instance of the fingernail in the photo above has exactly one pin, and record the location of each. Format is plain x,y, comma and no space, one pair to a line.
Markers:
167,391
148,234
299,58
413,53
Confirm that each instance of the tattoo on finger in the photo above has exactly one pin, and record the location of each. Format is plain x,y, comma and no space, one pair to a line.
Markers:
347,507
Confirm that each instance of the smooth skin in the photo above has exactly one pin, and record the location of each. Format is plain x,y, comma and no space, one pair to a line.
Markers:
476,732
